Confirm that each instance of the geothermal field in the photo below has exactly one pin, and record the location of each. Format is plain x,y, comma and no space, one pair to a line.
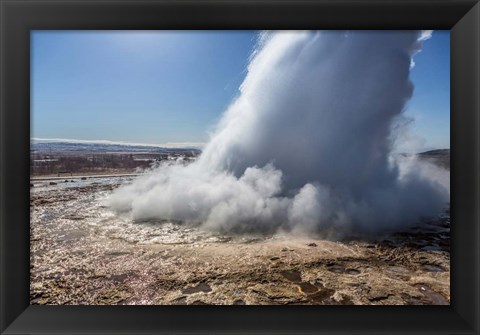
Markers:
83,253
302,195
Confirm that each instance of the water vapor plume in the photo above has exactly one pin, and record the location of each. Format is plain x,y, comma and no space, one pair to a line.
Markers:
307,145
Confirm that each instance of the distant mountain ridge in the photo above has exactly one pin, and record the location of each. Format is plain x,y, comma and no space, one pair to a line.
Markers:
440,157
70,146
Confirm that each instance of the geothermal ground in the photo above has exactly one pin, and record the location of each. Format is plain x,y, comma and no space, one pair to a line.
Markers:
81,253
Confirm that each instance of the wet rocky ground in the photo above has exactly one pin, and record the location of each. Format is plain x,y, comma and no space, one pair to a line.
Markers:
81,253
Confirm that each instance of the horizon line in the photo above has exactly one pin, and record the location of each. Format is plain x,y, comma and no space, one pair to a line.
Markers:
178,145
197,145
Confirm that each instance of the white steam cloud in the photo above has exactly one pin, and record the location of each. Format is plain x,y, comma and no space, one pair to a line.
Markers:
306,145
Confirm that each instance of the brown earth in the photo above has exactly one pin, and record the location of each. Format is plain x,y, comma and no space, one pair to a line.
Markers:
83,254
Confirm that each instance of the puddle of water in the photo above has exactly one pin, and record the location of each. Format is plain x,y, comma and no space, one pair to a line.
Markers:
292,275
117,253
74,217
180,301
433,247
410,300
352,272
336,268
321,295
119,278
307,288
199,302
201,287
435,297
433,268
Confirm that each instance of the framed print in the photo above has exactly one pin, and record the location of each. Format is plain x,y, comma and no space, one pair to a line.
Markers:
229,167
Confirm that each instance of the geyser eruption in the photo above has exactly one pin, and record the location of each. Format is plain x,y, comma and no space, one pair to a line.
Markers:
306,145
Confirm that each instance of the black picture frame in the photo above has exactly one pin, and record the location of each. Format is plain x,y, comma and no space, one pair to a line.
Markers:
18,17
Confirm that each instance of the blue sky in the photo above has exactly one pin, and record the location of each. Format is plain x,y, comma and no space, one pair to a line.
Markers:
169,87
430,104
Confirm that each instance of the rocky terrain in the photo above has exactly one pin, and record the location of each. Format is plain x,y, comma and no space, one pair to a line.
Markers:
81,253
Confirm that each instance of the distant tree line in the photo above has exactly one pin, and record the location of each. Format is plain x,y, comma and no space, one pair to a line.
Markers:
41,164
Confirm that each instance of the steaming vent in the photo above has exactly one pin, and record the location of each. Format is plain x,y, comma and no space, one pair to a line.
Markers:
306,146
